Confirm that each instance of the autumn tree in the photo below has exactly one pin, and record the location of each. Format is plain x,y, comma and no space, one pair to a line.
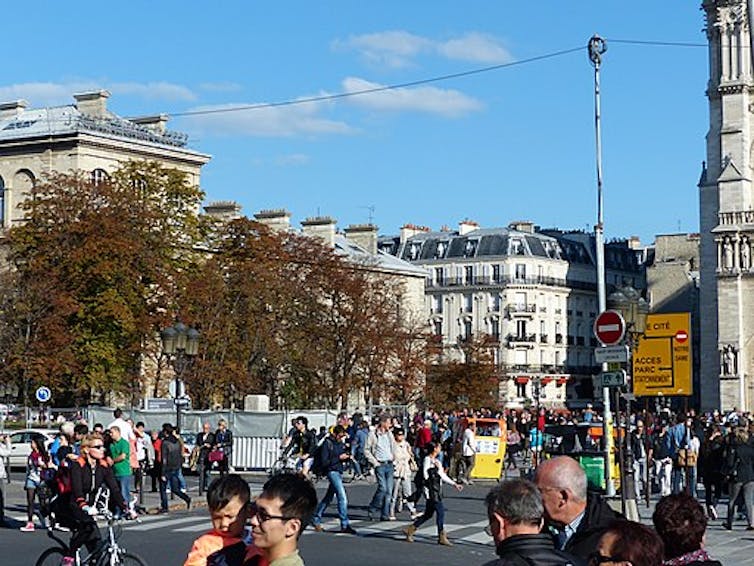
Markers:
471,381
110,253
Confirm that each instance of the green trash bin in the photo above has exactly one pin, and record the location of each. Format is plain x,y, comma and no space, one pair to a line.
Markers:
594,466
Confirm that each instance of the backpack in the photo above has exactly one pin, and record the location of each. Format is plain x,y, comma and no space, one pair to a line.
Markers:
319,466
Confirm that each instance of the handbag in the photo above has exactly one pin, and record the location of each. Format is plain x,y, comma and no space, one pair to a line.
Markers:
686,458
216,456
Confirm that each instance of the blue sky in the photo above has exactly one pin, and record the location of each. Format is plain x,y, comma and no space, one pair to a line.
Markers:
514,143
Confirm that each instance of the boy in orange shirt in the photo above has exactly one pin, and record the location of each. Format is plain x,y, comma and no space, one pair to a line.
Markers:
227,543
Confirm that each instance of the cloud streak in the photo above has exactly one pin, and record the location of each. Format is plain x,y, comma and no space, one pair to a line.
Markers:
52,93
286,121
397,48
429,99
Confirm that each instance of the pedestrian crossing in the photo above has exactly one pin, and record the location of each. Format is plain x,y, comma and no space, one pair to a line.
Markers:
463,533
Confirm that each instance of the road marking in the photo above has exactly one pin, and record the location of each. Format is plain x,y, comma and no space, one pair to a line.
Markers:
169,523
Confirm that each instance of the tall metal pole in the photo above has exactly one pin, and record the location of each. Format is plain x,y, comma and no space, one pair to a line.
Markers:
596,48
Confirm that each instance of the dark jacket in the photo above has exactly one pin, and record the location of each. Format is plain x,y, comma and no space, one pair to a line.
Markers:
711,457
597,516
331,451
532,550
224,441
740,461
171,454
84,490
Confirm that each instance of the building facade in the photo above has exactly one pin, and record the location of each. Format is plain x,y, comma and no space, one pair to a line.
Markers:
726,204
531,292
84,136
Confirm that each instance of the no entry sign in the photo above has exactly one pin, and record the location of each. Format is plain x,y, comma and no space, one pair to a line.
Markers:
609,327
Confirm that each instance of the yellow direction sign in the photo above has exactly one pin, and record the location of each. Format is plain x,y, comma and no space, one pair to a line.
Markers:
662,361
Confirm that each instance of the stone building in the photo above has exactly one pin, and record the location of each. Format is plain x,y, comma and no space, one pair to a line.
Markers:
532,292
726,204
672,265
84,136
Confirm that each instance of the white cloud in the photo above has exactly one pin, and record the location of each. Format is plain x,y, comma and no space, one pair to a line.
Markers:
281,121
430,99
389,48
478,47
397,48
156,90
51,93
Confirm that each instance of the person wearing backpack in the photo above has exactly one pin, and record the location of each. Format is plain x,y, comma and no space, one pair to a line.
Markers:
331,455
172,461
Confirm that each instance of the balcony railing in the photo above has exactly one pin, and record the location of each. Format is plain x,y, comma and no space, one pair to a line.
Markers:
558,338
738,217
521,338
516,308
543,338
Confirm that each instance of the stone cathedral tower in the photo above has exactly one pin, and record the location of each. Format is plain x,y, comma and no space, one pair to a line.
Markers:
726,201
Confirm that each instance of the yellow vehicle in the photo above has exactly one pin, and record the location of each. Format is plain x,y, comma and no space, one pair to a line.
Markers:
490,439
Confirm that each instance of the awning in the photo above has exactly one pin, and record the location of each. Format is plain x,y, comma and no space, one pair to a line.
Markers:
522,379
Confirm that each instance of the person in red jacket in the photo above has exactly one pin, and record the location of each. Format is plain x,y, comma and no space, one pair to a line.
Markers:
423,438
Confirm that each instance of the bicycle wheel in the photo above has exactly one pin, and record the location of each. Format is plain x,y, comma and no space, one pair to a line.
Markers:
51,557
110,558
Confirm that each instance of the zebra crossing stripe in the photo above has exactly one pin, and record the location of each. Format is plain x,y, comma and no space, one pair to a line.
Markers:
169,523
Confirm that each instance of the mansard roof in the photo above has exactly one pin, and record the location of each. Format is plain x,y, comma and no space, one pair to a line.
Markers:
66,120
381,261
575,247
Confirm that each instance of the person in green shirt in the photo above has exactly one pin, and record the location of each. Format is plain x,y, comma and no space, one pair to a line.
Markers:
120,453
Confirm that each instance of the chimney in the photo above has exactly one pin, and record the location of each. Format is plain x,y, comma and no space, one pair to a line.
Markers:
411,230
466,226
225,210
154,123
522,226
322,227
12,109
364,235
278,220
93,104
634,243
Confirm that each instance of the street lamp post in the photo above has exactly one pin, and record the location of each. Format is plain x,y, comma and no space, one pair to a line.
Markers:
181,344
634,309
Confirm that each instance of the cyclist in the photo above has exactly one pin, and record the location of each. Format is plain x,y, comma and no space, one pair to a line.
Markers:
303,443
90,473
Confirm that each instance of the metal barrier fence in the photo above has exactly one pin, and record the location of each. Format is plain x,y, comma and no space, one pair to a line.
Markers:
254,454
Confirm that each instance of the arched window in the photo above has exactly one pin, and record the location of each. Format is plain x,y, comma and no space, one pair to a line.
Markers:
23,183
99,176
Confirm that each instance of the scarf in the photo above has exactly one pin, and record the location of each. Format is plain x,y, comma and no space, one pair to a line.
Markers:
696,556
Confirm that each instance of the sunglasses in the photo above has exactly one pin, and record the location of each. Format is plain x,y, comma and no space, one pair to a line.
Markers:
98,446
263,516
595,559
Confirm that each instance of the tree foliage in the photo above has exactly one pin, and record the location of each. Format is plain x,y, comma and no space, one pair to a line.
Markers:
100,261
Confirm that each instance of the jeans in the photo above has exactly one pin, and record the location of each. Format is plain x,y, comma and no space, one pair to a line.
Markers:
734,489
381,500
335,489
663,469
431,507
177,486
124,483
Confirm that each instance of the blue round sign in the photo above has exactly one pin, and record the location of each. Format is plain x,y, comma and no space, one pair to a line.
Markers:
43,394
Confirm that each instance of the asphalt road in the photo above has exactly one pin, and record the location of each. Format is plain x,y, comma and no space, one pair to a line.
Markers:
164,540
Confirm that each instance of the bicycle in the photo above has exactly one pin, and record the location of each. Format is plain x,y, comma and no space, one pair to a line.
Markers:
107,553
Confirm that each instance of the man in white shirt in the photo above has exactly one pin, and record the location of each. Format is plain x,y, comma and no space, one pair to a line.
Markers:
468,451
126,431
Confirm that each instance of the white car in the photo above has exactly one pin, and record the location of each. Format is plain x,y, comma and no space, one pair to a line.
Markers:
20,446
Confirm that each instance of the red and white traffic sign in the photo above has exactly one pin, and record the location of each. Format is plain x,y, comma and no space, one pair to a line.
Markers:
681,336
609,327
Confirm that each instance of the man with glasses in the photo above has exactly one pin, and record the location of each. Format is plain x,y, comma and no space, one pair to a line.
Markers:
577,520
333,454
89,474
279,516
515,513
